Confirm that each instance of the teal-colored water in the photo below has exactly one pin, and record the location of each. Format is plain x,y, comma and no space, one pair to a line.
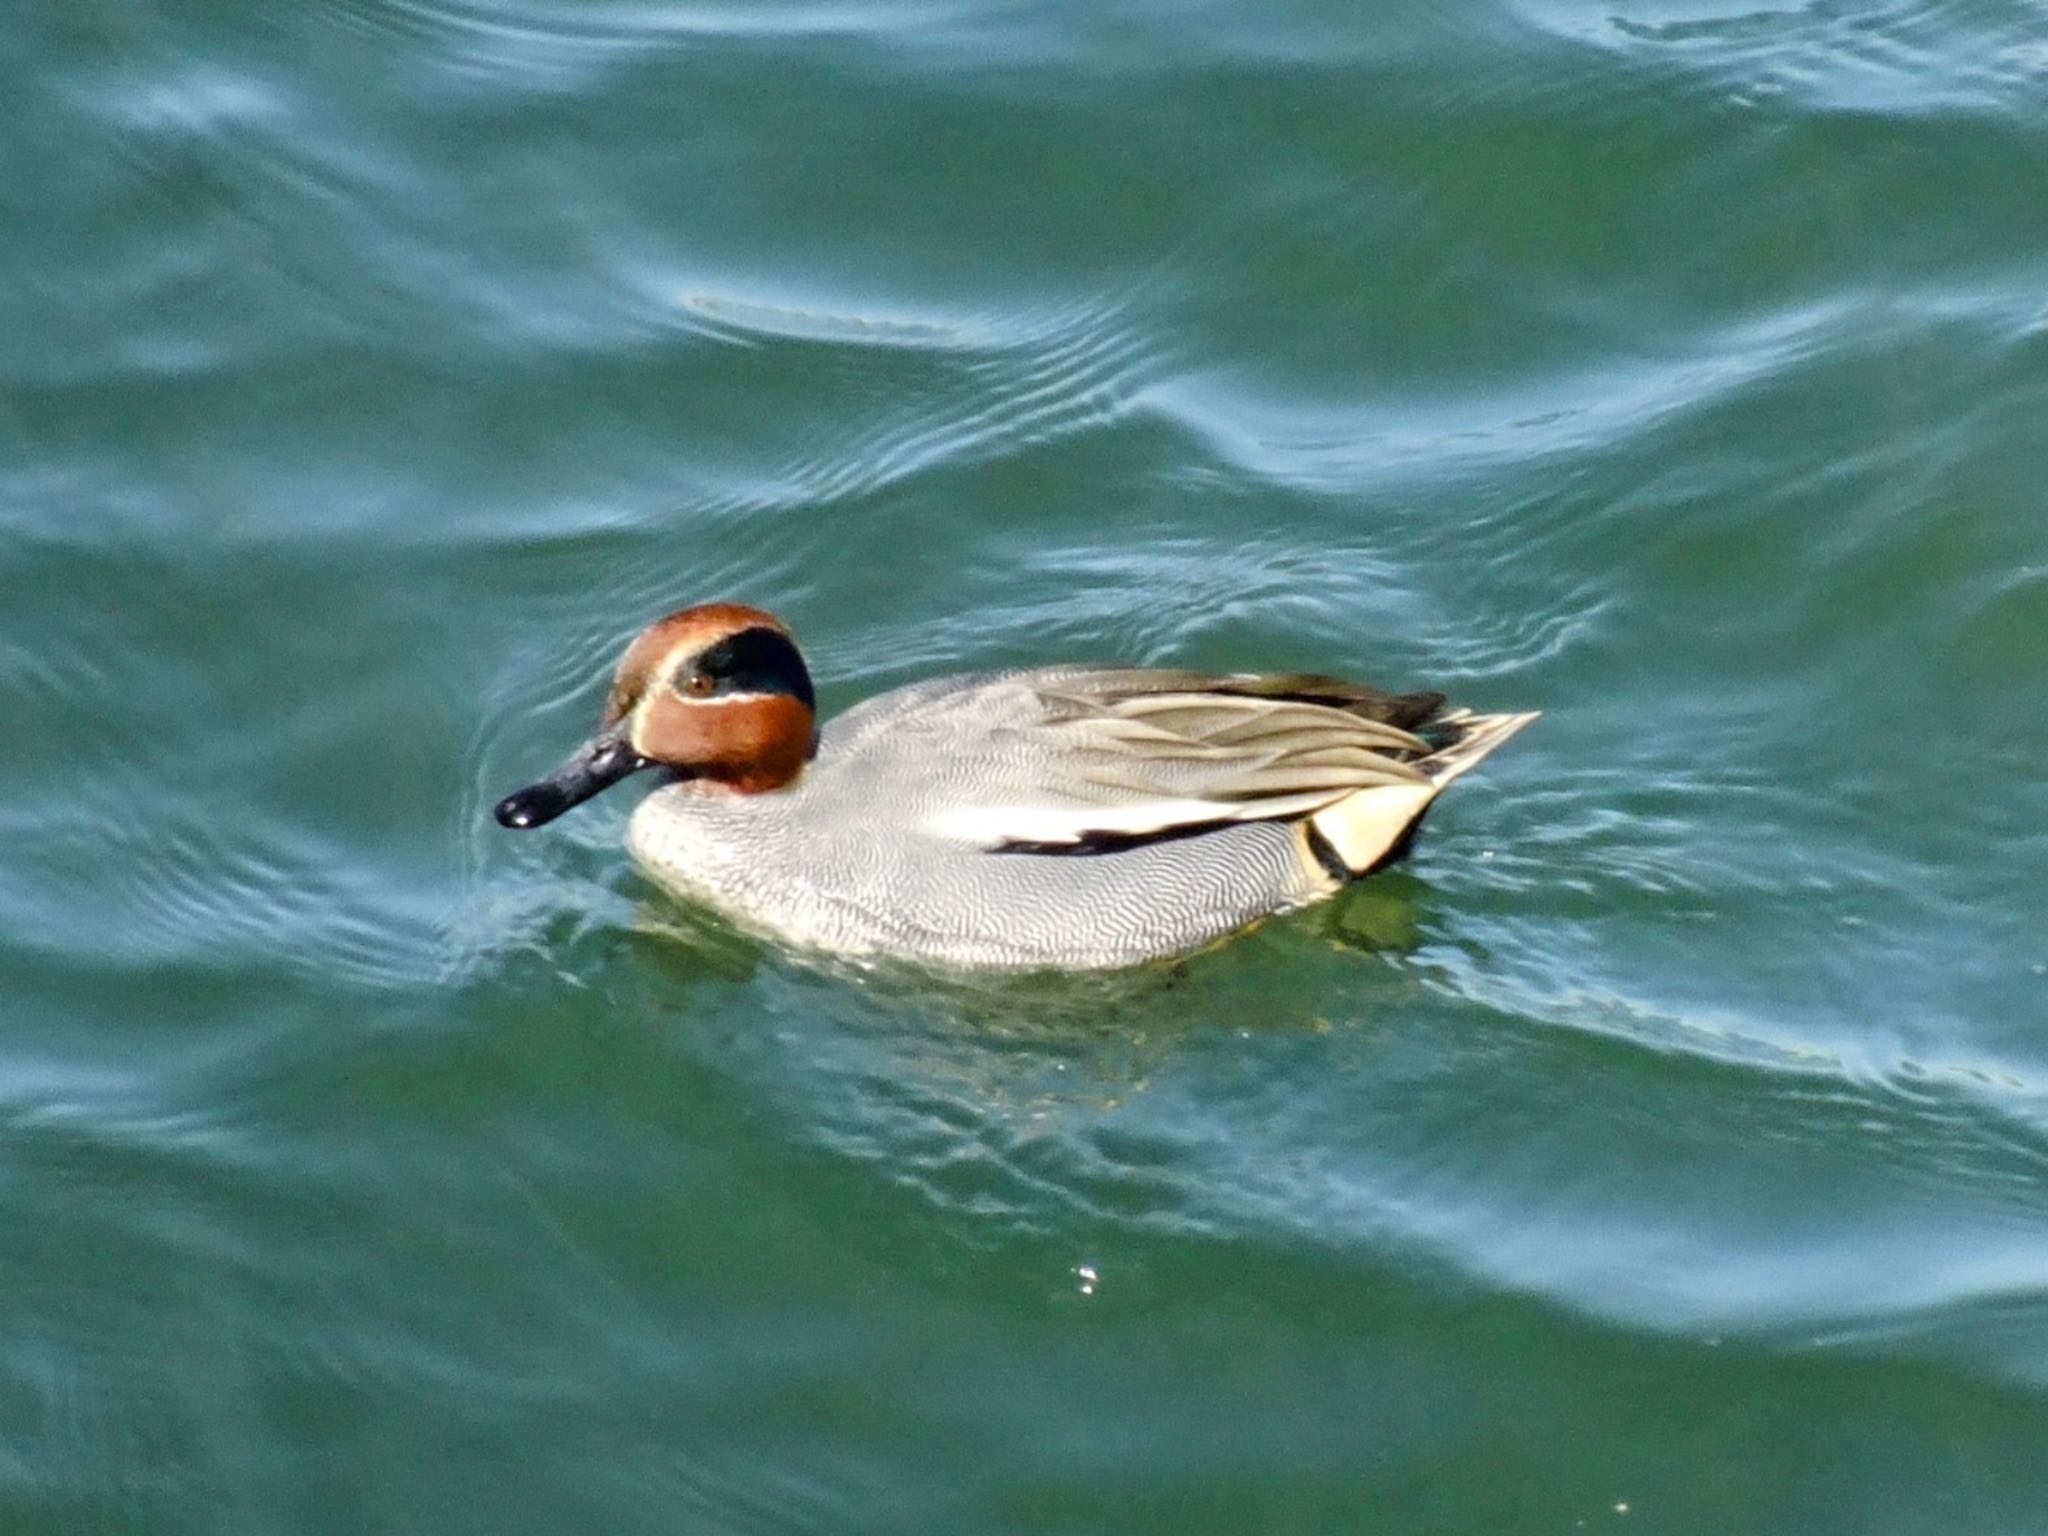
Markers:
1665,1148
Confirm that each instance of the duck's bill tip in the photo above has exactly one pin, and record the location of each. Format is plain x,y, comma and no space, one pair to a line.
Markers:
600,764
526,810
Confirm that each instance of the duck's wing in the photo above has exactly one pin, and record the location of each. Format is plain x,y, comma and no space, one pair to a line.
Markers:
1074,759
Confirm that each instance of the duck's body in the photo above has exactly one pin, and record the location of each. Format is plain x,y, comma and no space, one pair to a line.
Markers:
1060,818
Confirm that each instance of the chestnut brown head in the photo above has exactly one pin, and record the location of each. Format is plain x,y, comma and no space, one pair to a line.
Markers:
717,693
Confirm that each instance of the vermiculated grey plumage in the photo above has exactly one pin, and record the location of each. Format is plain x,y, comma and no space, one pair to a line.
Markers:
1065,817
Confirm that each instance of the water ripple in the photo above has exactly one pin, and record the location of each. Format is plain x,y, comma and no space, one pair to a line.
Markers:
1028,1112
1902,57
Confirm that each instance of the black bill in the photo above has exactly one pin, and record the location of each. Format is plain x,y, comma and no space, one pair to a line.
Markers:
598,764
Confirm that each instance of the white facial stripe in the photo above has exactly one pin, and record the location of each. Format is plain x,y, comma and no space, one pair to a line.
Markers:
636,719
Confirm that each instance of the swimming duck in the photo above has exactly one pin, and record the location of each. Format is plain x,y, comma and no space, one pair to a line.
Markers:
1060,817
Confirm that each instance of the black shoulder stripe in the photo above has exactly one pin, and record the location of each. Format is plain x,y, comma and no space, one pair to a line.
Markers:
1090,844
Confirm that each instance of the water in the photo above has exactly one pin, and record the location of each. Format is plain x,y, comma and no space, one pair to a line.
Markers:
1664,1148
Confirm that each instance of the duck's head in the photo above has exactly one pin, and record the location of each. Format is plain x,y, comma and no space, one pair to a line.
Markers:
717,693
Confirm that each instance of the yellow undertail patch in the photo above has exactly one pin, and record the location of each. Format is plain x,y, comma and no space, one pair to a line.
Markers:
1363,828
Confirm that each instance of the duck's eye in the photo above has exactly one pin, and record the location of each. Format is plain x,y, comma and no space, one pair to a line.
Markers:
696,685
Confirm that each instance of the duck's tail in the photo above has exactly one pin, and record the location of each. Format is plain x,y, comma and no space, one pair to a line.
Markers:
1470,738
1372,827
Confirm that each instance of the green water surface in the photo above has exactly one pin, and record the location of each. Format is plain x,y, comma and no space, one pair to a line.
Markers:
1663,1149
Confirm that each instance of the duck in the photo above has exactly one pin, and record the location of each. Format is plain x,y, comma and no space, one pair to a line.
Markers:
1058,818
